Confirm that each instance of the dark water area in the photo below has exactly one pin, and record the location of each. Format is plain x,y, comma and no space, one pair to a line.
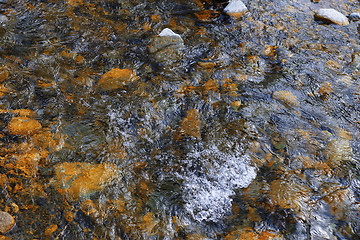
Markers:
175,120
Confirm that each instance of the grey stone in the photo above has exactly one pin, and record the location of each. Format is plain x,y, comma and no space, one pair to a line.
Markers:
167,46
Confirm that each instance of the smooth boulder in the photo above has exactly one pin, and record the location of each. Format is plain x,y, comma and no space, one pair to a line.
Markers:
329,14
6,222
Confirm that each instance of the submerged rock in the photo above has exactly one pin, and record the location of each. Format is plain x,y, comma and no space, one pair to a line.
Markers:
23,126
83,179
236,8
286,97
116,78
190,125
6,222
329,14
167,46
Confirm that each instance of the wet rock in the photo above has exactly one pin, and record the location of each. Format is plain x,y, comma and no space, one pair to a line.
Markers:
329,14
191,124
23,126
355,60
6,222
286,97
83,179
75,3
4,74
254,234
116,78
325,89
3,18
355,16
236,105
24,113
167,46
236,8
288,194
338,152
50,230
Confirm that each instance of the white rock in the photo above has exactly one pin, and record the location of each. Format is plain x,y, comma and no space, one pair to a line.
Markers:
332,15
167,32
236,8
3,18
6,222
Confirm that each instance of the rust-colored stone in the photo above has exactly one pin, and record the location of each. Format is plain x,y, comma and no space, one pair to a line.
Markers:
191,123
286,97
116,78
23,126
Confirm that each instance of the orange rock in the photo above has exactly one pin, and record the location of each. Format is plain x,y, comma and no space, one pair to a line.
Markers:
325,89
148,223
69,216
286,97
207,15
116,78
3,180
236,105
24,113
27,163
50,230
191,123
288,194
4,74
23,126
75,3
155,18
3,90
82,179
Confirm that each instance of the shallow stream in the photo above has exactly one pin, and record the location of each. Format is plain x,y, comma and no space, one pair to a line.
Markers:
241,128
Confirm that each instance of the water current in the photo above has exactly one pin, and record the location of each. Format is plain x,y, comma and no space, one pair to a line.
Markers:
174,120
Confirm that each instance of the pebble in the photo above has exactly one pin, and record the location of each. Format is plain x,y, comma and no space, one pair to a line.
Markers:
6,222
236,8
331,15
355,16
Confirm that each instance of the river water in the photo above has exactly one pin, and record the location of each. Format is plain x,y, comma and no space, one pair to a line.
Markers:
233,129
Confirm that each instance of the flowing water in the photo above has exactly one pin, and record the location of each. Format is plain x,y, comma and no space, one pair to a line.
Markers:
234,129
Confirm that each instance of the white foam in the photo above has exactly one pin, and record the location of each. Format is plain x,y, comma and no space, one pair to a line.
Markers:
168,32
235,6
208,196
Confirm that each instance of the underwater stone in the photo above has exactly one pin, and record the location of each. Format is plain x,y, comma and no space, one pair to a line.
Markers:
23,126
116,78
236,8
286,97
6,222
83,179
167,46
3,18
331,15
